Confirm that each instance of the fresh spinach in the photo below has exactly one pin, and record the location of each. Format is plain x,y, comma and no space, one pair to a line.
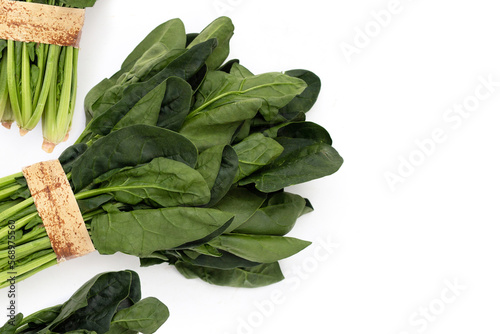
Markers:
184,161
107,303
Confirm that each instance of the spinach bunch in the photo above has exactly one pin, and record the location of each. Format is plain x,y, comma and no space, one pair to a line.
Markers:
38,81
185,160
108,303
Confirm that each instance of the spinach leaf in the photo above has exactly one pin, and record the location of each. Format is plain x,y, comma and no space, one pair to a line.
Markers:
304,130
305,101
224,261
190,37
93,203
93,97
11,326
175,105
142,232
108,303
275,90
171,34
221,29
70,156
146,111
130,146
304,161
93,306
184,67
42,317
165,182
242,203
226,67
259,248
307,155
146,316
255,152
253,277
276,217
217,125
241,71
218,166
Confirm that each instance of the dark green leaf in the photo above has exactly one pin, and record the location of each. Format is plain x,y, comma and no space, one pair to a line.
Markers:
305,101
225,261
255,152
175,105
171,34
275,90
202,241
242,203
196,80
143,232
259,248
221,29
190,37
164,181
93,203
94,95
146,316
218,166
70,155
146,111
241,71
253,277
305,130
131,146
93,306
11,325
228,65
307,156
276,217
43,317
217,126
304,161
184,67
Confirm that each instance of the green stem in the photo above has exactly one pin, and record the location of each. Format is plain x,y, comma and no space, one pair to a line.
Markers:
12,211
37,264
12,81
24,250
32,272
6,193
49,84
35,233
63,112
9,179
4,90
41,63
73,88
26,103
100,191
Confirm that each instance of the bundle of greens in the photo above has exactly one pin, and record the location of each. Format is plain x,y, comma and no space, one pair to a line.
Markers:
108,303
184,161
39,81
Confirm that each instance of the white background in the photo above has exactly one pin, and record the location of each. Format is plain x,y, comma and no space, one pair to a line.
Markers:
393,251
